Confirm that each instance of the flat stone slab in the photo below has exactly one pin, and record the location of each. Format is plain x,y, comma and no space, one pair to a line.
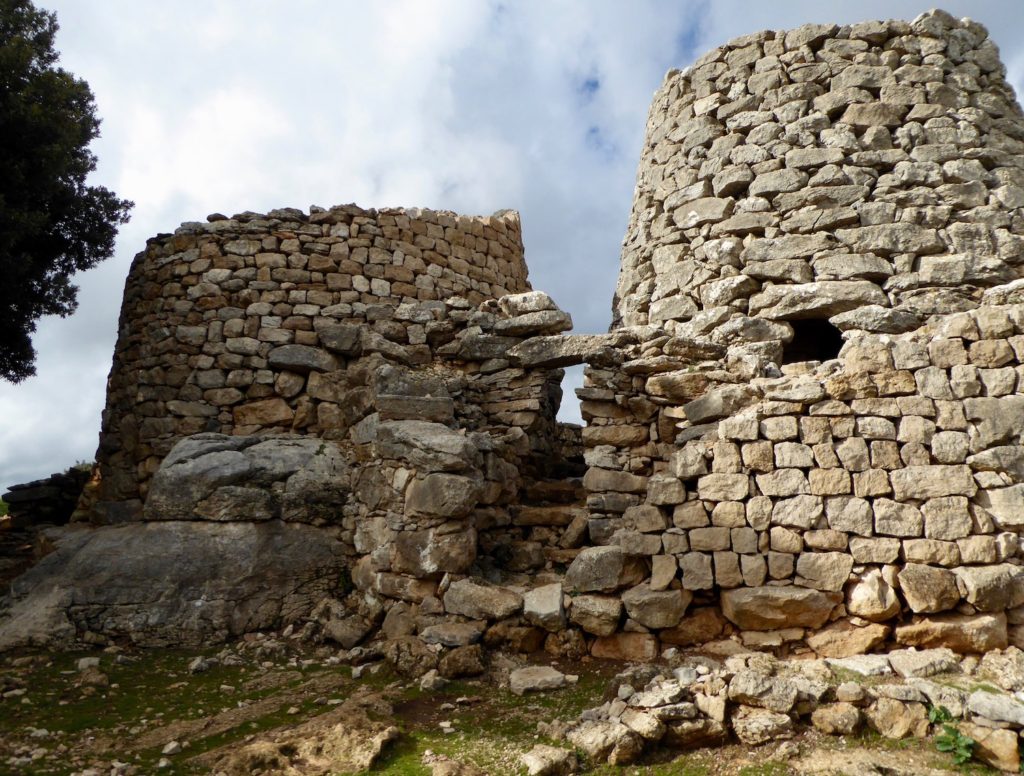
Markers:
865,665
535,679
923,663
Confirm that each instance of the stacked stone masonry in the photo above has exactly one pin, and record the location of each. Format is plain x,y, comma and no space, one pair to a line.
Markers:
232,325
865,182
805,428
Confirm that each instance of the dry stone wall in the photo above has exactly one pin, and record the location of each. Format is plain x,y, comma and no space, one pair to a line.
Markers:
245,325
870,166
818,416
804,430
341,376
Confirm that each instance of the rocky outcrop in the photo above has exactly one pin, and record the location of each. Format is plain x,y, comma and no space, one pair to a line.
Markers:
173,582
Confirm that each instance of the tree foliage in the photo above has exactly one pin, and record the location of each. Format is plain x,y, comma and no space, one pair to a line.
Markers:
52,224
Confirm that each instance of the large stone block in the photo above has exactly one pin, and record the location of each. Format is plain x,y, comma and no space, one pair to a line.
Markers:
991,588
597,614
634,647
928,589
960,633
430,447
442,495
602,569
656,608
479,601
816,300
925,482
771,608
429,552
173,583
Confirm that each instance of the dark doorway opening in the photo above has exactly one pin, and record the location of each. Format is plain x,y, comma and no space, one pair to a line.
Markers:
814,339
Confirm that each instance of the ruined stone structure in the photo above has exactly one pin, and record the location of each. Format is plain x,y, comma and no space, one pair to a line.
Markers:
804,427
220,321
865,180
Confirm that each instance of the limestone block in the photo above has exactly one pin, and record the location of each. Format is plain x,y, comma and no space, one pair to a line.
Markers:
754,569
302,359
785,540
754,726
878,550
656,608
636,543
597,479
723,487
708,539
528,302
266,412
663,570
872,598
719,402
429,552
894,719
829,482
130,581
928,589
602,569
814,300
542,606
823,570
873,482
893,518
780,564
770,608
926,482
633,647
1005,505
758,456
931,551
791,455
961,633
706,210
887,239
692,514
443,495
596,614
798,512
849,514
996,748
430,447
783,482
479,601
992,588
696,571
727,569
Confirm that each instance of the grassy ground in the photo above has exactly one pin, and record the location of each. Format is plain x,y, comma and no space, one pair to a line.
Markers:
151,699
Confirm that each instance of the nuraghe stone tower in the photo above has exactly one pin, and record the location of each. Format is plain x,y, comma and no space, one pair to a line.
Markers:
803,429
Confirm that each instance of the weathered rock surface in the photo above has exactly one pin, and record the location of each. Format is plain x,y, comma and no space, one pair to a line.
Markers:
535,679
768,608
479,601
173,582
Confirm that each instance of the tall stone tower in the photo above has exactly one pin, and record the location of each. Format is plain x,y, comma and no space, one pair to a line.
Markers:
870,175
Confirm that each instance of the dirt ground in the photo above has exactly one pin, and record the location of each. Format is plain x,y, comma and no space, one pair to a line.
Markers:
267,706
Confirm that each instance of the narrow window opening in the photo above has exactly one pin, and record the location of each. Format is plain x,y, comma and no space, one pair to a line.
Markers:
814,339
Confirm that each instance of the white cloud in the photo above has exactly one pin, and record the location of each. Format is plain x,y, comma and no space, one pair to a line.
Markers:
463,104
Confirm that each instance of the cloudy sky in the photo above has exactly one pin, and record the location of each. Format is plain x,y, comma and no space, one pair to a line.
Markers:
466,105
